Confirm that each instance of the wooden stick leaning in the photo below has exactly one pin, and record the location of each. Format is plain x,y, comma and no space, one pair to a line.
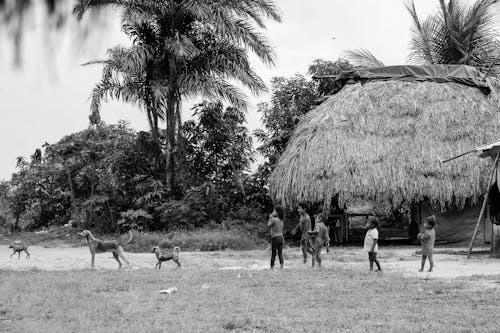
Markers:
483,208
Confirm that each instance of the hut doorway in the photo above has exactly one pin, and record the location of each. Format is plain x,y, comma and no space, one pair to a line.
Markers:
454,225
492,221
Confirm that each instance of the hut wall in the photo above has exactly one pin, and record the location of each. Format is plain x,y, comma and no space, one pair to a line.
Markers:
456,225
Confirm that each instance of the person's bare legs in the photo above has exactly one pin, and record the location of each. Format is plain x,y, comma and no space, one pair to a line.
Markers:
280,256
303,246
374,258
273,256
370,258
431,263
423,264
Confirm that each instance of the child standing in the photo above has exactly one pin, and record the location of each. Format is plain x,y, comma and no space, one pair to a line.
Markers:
304,226
275,224
428,238
371,242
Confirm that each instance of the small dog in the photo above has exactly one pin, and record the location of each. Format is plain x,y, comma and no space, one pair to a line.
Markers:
174,256
19,249
100,246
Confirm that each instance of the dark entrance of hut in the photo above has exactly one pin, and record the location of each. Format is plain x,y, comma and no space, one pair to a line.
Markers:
348,224
454,225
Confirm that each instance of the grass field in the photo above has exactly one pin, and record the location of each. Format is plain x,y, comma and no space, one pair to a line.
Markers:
292,300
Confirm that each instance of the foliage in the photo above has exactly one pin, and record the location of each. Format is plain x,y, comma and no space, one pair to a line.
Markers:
218,147
291,98
363,58
217,151
89,176
196,48
457,34
320,68
36,190
109,178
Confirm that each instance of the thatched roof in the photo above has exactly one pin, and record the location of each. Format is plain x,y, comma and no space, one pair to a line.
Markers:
383,141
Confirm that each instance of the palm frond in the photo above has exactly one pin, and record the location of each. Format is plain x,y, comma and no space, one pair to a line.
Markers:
421,48
212,88
363,58
232,62
242,32
457,34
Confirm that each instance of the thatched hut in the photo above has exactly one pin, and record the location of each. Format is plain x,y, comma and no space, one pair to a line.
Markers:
382,136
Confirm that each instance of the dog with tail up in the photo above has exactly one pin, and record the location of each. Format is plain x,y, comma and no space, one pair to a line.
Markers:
174,256
100,246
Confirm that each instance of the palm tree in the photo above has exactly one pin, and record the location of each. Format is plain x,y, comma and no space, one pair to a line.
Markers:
129,75
457,34
204,48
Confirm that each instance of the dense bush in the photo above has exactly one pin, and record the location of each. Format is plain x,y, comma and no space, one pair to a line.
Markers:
110,178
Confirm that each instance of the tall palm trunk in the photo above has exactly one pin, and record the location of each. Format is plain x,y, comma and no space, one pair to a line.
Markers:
152,108
153,123
170,121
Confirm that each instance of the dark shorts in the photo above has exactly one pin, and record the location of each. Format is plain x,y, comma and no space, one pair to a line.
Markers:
277,242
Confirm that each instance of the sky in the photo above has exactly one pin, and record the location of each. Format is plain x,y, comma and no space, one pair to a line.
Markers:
48,97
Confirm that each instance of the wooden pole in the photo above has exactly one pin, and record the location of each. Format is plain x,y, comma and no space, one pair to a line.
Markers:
483,208
455,157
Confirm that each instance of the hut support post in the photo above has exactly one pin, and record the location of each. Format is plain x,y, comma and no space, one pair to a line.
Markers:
483,208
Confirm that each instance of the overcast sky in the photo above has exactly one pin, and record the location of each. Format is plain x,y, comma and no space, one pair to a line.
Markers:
48,98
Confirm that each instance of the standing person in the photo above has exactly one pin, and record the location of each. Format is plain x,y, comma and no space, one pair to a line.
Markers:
304,226
275,224
428,238
371,242
319,238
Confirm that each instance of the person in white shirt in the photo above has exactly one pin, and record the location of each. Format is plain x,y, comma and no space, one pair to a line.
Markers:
371,242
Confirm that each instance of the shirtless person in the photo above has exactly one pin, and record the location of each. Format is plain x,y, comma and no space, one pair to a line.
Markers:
275,224
304,225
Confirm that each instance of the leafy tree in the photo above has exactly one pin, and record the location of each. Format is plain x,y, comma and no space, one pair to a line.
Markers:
36,190
291,99
91,176
217,150
188,68
321,69
218,147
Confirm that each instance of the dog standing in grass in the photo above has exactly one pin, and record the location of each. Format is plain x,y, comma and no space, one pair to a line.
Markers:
19,249
174,256
100,246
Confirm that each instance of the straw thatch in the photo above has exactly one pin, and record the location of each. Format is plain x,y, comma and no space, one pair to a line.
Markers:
383,141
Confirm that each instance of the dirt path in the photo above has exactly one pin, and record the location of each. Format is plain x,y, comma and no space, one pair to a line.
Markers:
393,259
